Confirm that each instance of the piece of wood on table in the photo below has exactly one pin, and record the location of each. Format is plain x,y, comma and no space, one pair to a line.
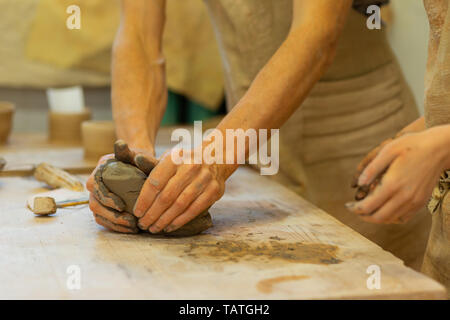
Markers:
267,243
25,151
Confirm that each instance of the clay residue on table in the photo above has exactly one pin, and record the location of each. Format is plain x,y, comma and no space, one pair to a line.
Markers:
238,250
266,285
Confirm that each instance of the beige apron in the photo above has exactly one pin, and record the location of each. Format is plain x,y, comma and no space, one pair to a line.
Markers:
437,112
360,101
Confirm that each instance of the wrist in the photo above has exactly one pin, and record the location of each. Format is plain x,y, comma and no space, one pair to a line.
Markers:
416,126
216,157
441,135
224,171
135,134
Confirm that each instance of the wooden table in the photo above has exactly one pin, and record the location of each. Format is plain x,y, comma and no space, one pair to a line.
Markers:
267,243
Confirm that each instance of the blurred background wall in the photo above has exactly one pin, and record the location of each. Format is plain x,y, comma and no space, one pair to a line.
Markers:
408,35
36,53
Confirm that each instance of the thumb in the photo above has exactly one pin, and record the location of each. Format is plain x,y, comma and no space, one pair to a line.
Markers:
145,162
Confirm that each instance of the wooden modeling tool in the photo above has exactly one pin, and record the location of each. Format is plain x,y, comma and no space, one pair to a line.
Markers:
47,205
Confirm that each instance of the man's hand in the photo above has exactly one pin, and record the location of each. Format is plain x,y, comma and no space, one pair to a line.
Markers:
106,206
174,194
414,163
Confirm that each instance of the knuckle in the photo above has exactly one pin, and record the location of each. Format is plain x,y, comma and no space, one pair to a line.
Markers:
207,174
215,187
390,187
405,196
165,198
180,203
152,185
160,224
387,148
192,168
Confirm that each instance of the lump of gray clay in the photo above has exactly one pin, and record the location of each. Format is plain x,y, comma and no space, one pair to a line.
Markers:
126,181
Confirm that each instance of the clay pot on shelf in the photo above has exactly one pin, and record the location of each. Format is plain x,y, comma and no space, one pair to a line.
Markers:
6,119
98,139
65,127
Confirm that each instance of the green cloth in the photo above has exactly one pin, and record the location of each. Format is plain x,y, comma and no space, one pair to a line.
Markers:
180,110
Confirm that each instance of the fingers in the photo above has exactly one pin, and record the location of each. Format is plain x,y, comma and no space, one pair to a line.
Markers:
374,200
96,186
168,195
154,184
182,202
390,203
203,202
120,218
363,164
123,153
120,222
142,160
102,193
367,159
385,213
111,226
145,163
377,165
363,191
90,182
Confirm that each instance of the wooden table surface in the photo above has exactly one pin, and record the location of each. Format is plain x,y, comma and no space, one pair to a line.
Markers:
266,243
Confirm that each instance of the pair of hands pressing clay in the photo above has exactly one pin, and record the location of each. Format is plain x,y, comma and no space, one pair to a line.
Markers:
117,185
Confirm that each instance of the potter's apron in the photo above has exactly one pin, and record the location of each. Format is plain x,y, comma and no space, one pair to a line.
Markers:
360,101
437,112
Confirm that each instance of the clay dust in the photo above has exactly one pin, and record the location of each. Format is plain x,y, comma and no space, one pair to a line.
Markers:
238,250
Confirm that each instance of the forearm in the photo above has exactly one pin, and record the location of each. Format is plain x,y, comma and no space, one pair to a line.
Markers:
285,81
139,93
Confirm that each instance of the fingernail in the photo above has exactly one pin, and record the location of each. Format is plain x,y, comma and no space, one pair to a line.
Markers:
169,229
137,212
154,229
140,226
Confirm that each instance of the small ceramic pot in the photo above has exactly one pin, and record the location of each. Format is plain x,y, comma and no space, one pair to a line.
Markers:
65,128
98,139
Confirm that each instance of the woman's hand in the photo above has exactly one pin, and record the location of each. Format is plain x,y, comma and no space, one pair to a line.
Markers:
414,163
367,160
415,126
175,193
